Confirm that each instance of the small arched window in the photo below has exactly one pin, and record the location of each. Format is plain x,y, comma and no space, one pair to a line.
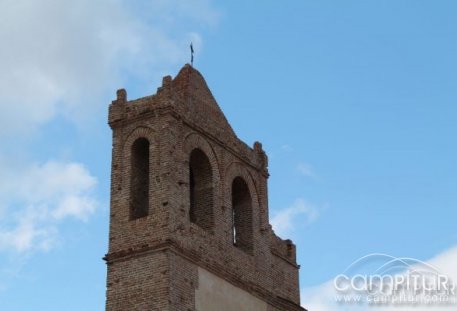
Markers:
242,215
201,190
139,179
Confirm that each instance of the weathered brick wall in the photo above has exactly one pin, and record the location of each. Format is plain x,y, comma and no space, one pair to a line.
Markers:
139,283
181,117
184,282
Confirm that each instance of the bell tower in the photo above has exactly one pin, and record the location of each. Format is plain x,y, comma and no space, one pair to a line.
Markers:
189,223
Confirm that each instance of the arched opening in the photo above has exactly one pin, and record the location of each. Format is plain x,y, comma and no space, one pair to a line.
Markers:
201,190
242,215
139,179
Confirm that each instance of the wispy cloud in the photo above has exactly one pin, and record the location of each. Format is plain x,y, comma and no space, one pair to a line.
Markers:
306,170
40,198
64,57
287,148
299,214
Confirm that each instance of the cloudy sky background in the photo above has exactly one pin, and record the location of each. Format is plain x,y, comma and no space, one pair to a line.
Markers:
354,101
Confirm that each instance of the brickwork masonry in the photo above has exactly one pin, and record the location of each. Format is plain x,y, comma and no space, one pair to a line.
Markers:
188,221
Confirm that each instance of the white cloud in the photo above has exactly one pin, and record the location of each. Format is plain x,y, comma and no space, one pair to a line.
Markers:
322,297
75,206
298,214
63,57
29,232
39,198
287,148
306,170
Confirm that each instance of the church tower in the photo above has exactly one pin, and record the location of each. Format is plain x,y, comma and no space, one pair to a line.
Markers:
189,225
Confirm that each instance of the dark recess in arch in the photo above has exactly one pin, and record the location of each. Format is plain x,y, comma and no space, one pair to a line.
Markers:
139,179
242,215
201,190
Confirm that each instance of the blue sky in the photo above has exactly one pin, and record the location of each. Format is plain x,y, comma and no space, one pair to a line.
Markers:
354,102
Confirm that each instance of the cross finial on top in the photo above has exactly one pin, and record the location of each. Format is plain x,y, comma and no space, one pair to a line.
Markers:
191,55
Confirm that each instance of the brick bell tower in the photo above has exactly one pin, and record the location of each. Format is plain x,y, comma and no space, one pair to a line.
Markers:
189,225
